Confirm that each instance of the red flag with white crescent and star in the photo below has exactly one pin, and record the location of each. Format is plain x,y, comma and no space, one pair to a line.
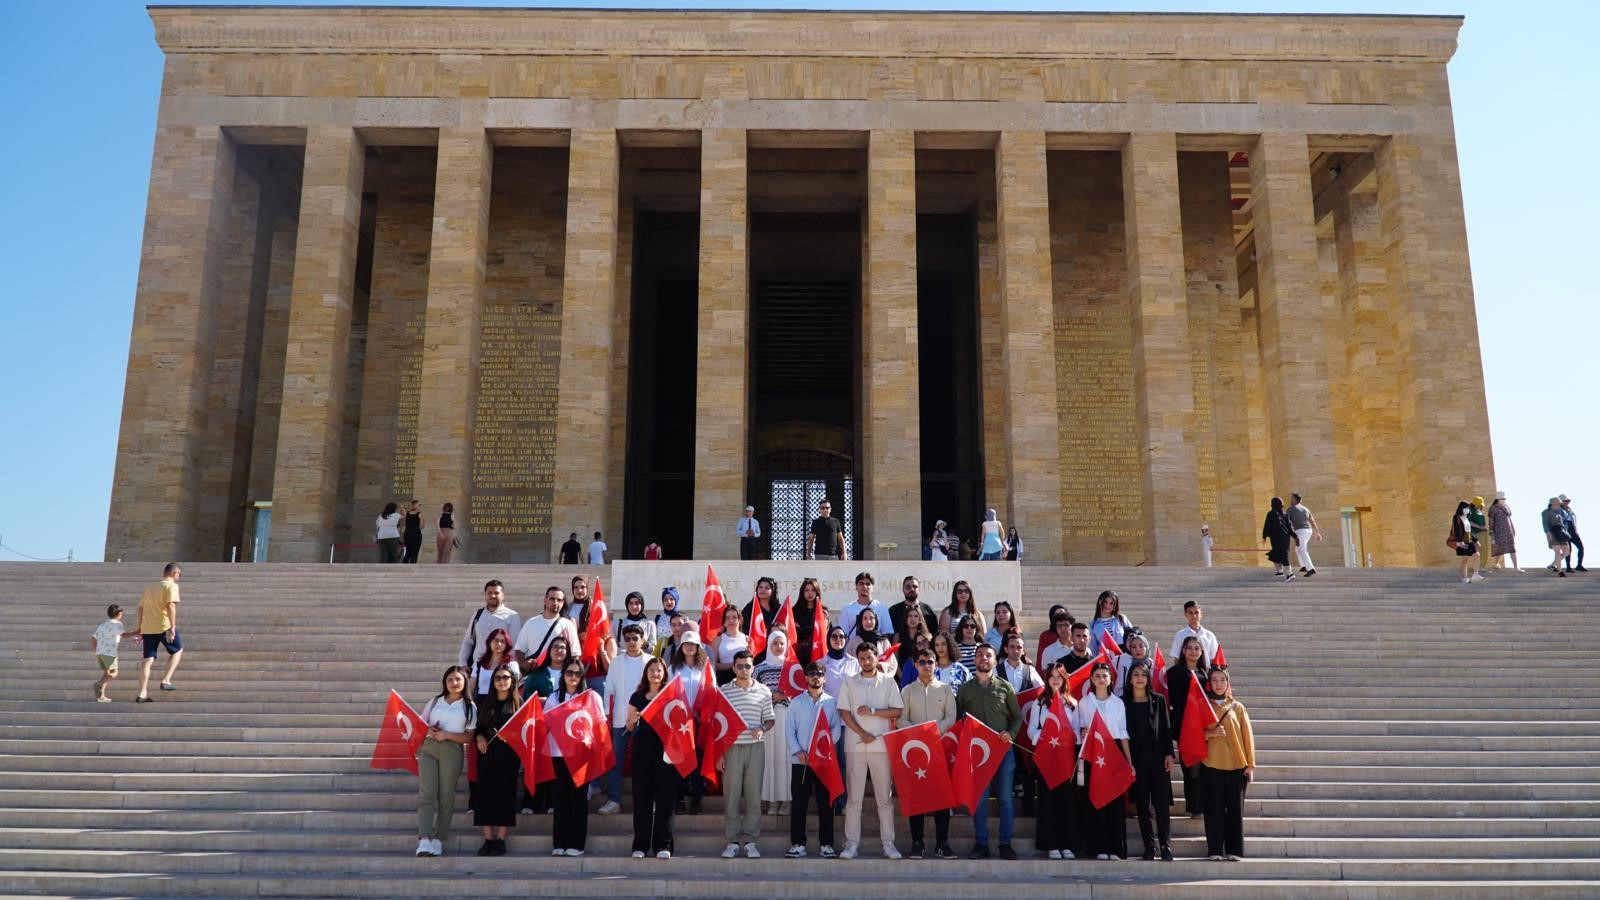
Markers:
1025,701
917,765
1159,682
758,629
399,737
1078,680
712,605
720,726
785,622
1054,754
1108,645
524,733
793,680
951,740
1198,715
982,751
823,757
819,631
594,637
1110,773
1221,658
580,729
676,731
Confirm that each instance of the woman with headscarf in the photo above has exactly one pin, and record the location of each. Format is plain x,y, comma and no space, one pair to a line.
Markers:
992,534
1502,533
838,665
1277,533
663,620
775,767
867,632
1229,766
633,614
1150,744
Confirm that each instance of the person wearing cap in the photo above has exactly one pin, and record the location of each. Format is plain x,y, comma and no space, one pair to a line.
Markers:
1478,516
1503,532
1571,520
939,542
1205,545
1555,534
749,531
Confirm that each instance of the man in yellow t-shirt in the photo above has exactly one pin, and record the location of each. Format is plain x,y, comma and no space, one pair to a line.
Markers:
158,626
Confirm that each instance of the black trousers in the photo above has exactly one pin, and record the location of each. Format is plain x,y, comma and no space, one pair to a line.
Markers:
804,785
1152,793
941,827
655,795
747,548
1058,818
1577,544
413,548
1193,800
1224,793
1104,830
570,829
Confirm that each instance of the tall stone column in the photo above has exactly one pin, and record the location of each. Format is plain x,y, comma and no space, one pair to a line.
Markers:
1163,372
722,372
893,406
1435,326
1293,352
155,488
311,419
583,410
1028,346
450,330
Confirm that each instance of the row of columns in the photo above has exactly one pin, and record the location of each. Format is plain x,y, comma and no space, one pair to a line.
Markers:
184,249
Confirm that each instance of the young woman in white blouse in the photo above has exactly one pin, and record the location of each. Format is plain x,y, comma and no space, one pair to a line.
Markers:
728,644
1104,831
450,718
388,534
1057,826
569,827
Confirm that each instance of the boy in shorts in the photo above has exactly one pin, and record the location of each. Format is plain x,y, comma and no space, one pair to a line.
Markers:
104,641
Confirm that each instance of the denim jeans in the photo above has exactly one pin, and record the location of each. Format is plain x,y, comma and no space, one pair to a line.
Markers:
619,743
1001,787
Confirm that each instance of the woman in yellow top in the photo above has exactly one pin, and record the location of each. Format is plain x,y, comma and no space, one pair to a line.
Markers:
1229,765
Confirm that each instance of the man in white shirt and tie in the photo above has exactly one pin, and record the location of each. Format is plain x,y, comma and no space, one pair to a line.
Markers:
749,530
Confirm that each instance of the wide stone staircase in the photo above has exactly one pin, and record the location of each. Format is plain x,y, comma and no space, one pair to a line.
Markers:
1415,736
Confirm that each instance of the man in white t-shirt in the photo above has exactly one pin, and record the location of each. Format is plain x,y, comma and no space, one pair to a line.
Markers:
622,679
597,551
864,600
1208,641
538,632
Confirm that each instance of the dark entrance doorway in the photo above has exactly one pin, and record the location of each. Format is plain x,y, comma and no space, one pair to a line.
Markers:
659,483
805,340
950,379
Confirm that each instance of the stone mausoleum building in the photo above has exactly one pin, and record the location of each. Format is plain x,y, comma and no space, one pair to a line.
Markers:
574,270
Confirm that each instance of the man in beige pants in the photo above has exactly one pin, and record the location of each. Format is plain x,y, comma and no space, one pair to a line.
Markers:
869,705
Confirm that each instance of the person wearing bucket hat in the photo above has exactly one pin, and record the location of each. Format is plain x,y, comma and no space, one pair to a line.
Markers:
1571,519
1478,516
1555,534
1503,532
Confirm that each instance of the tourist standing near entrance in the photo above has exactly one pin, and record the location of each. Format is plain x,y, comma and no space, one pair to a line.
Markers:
1502,532
1278,535
992,533
597,551
158,626
1305,530
1555,534
1461,541
1571,518
1479,517
749,531
388,536
413,534
445,539
570,550
826,539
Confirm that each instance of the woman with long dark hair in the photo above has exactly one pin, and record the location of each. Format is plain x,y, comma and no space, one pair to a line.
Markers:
544,679
1104,833
1462,542
1108,619
388,533
1277,532
727,644
805,619
1005,622
962,603
496,653
569,831
1058,809
444,541
1229,765
413,532
449,717
947,666
656,782
495,809
1150,744
689,666
1190,665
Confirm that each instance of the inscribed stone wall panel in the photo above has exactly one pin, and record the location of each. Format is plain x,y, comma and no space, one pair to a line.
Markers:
1085,82
528,76
661,79
462,76
399,75
513,453
807,80
1101,487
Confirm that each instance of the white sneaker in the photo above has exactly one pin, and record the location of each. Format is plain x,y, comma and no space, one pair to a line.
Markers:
827,852
1477,576
750,851
572,852
1466,581
436,847
638,854
1102,856
890,851
424,847
1055,854
558,852
796,851
664,854
610,808
730,851
849,852
1067,854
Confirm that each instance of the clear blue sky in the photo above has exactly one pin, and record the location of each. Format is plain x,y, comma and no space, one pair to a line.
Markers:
82,81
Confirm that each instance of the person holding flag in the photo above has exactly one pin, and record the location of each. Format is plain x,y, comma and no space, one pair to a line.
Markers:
449,718
929,700
596,643
775,769
743,765
1109,620
810,623
1102,828
656,780
867,633
1015,668
767,599
569,827
1229,765
495,810
691,666
1150,749
729,643
1189,667
869,706
1057,831
804,783
991,700
1138,651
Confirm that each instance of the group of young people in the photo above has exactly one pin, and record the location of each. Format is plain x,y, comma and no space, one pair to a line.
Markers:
880,667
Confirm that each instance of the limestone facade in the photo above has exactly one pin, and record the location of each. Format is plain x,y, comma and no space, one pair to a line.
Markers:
396,253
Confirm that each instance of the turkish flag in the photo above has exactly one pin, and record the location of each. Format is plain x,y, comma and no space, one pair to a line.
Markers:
711,608
1112,775
594,637
981,753
952,750
793,680
1108,645
889,653
1054,754
1078,681
823,757
758,629
524,733
1198,715
1025,701
1159,682
720,726
399,737
676,731
819,631
917,764
583,735
708,686
1222,659
785,621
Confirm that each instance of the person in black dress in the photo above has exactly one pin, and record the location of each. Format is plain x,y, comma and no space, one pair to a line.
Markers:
656,782
413,533
495,810
1277,533
1150,740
